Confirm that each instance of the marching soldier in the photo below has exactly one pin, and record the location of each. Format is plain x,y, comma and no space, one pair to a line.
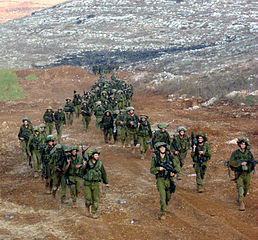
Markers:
48,119
60,121
86,116
69,110
161,135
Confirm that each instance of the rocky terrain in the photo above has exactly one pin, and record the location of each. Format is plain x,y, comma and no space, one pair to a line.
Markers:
26,212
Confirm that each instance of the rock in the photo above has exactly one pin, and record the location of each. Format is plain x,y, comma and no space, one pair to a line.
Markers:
210,102
233,141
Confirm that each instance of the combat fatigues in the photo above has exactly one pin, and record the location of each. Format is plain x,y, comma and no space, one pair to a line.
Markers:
200,162
132,126
48,119
57,167
77,104
25,133
99,112
144,135
86,117
60,121
121,128
34,150
107,124
163,180
69,110
74,176
242,173
160,136
93,174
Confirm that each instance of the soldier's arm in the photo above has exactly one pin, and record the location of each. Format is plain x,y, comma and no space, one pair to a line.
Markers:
153,169
28,146
207,152
104,175
233,162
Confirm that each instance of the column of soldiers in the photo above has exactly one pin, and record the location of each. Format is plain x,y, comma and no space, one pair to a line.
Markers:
110,102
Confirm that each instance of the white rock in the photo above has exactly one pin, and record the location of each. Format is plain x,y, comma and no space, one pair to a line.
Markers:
233,141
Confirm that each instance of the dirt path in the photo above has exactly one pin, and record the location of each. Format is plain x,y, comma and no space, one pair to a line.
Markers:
211,215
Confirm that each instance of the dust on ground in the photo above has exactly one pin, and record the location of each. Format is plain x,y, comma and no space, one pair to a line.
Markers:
211,215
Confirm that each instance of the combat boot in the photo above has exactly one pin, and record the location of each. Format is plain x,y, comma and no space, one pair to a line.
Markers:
94,215
162,217
88,211
241,206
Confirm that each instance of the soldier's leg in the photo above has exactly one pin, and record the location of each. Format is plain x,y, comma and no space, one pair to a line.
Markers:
87,195
50,128
198,176
59,136
240,188
110,134
73,188
24,150
84,123
78,186
39,160
71,119
162,193
63,189
35,161
56,183
247,181
106,135
168,194
95,197
141,142
87,122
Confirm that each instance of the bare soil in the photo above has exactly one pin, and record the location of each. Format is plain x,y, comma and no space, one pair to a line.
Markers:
211,215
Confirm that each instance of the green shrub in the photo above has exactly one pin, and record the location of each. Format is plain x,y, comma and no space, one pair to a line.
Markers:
31,77
249,100
9,87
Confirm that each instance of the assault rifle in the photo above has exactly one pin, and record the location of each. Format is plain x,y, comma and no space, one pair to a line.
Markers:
84,151
170,169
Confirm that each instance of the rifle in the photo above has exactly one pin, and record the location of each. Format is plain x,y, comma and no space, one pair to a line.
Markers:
173,143
83,152
30,164
169,168
200,157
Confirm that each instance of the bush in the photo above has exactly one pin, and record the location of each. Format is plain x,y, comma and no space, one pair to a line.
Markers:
31,77
9,87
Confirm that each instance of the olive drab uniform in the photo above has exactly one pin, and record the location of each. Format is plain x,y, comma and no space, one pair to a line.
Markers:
77,104
132,126
46,172
69,110
99,112
242,173
200,162
107,124
74,176
121,128
34,150
93,174
144,135
181,145
60,121
163,180
160,136
48,119
24,135
57,167
86,116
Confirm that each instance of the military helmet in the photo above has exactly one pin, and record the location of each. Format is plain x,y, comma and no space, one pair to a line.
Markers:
74,147
58,146
163,125
181,128
66,148
129,109
113,90
201,134
36,128
243,139
122,110
144,116
60,108
108,111
50,138
42,125
160,144
49,108
25,119
104,92
98,103
68,98
93,151
116,112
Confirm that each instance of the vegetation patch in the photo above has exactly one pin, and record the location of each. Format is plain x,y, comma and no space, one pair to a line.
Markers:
31,77
9,86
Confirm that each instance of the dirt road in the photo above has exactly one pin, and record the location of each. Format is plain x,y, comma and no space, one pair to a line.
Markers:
210,215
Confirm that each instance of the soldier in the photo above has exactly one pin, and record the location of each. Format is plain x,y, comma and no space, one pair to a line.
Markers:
179,146
77,103
72,169
99,112
43,133
48,119
93,173
164,167
121,127
60,121
33,149
242,163
132,126
24,134
107,126
46,157
69,110
201,154
86,116
144,134
161,135
57,167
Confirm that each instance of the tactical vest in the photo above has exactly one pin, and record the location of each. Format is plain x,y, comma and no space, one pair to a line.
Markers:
93,171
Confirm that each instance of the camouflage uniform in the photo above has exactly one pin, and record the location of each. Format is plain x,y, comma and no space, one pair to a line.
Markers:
121,127
200,161
77,104
86,116
242,172
163,180
33,149
93,174
48,119
107,124
69,110
57,167
99,112
60,120
24,135
144,134
160,136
